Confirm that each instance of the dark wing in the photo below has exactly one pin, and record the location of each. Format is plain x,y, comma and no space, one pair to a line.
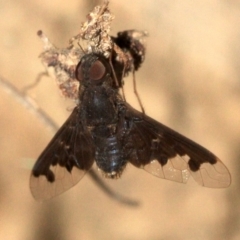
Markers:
64,161
168,154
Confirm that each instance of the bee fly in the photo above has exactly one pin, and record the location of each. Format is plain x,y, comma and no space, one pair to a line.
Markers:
104,128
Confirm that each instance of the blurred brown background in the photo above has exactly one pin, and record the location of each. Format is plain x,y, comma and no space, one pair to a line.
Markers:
190,81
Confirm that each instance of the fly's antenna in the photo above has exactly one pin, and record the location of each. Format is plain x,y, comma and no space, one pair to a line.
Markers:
81,47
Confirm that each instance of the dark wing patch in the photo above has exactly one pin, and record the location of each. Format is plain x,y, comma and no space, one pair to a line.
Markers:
168,154
64,161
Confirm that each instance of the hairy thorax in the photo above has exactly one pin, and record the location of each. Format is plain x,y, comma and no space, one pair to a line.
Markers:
97,107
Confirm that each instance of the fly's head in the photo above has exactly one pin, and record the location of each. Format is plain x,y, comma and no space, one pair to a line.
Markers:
93,70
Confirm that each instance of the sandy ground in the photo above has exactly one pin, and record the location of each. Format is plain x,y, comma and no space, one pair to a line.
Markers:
190,81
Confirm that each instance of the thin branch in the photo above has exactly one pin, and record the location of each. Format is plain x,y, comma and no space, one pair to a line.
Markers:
29,104
111,193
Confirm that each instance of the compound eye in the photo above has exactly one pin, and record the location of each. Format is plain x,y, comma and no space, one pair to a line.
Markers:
79,72
97,70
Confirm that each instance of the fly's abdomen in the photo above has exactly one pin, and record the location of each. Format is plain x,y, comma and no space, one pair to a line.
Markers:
109,155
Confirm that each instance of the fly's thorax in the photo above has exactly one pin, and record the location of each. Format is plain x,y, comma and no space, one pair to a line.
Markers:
97,106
